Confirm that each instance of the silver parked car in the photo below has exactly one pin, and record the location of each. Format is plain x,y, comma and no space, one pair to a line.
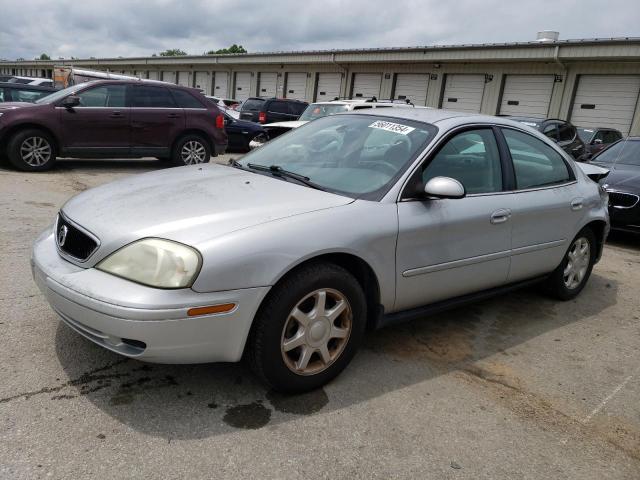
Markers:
353,221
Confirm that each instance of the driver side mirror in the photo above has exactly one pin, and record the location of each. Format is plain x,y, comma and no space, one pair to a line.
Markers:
71,101
444,187
597,141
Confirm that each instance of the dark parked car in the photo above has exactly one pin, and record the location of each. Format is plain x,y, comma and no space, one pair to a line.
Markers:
596,139
270,110
623,182
561,132
241,132
112,118
16,92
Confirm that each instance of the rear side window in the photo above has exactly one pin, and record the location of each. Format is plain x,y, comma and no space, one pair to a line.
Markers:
278,107
104,96
565,132
186,100
252,104
535,163
297,108
152,97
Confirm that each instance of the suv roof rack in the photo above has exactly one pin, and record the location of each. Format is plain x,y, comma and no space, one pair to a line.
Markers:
375,99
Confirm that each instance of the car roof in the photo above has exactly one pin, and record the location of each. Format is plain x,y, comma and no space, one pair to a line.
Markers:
135,81
26,86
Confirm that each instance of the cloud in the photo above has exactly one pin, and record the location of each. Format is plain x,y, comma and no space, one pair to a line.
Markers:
141,27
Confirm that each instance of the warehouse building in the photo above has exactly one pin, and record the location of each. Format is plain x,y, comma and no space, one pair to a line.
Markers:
591,82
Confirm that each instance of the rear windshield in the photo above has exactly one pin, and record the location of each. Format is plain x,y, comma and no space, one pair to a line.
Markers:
253,104
625,152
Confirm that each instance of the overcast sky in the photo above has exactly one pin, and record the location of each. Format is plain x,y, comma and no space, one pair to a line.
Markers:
111,28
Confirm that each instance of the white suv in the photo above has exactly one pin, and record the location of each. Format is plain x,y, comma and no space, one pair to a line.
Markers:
322,109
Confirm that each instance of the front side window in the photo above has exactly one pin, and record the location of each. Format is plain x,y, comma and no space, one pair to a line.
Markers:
611,136
278,107
536,164
152,97
103,96
354,155
472,158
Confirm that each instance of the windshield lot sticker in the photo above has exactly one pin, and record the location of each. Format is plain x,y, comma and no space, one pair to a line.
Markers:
392,127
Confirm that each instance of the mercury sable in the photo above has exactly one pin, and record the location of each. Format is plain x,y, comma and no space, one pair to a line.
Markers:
353,221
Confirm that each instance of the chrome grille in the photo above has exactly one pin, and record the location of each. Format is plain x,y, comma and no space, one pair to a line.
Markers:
73,241
622,199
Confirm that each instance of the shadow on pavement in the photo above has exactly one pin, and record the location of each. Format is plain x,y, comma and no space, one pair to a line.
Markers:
199,401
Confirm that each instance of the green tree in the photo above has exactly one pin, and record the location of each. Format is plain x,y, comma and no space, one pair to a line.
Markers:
173,52
232,49
43,56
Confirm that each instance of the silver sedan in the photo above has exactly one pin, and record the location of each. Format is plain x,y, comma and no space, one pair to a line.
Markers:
353,221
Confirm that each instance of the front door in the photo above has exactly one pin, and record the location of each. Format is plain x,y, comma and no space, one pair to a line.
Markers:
451,247
156,120
99,125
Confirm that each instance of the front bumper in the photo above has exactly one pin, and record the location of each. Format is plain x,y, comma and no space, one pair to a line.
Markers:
141,322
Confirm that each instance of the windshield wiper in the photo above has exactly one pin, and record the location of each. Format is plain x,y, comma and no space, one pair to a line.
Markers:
281,172
234,163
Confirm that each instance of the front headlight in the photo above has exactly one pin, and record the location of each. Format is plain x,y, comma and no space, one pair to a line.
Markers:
155,262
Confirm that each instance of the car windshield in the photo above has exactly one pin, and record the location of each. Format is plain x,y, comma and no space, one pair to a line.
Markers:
625,152
317,110
585,134
54,97
354,155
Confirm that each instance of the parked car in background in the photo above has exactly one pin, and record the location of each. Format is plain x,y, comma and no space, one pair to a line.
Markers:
240,132
597,139
224,102
561,132
5,78
322,109
269,110
17,92
45,82
355,221
623,183
223,107
112,118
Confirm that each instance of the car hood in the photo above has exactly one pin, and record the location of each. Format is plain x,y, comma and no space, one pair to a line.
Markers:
191,205
15,105
292,124
622,177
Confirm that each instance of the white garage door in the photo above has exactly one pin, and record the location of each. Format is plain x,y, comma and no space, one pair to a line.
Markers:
366,85
527,95
606,101
141,74
296,86
154,75
203,82
328,86
168,76
412,86
220,84
242,86
463,93
184,79
267,84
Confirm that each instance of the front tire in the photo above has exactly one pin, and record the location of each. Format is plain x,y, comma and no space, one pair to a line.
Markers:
568,280
308,329
32,150
191,150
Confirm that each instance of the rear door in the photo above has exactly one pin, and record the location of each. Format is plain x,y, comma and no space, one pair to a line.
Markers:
546,207
156,120
278,111
100,124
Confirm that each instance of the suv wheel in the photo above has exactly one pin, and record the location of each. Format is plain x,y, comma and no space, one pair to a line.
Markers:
568,280
32,150
190,150
308,329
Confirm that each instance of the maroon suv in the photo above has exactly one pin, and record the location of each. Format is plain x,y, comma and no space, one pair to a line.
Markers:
112,118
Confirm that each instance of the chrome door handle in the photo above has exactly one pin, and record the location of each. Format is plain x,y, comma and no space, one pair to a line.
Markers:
500,216
576,204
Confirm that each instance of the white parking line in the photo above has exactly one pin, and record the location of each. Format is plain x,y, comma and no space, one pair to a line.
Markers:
615,391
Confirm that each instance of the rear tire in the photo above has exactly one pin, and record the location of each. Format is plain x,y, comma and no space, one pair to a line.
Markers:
32,150
308,328
568,280
191,150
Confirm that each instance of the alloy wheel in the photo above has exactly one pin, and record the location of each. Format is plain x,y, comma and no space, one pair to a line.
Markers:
578,259
193,152
316,332
35,151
